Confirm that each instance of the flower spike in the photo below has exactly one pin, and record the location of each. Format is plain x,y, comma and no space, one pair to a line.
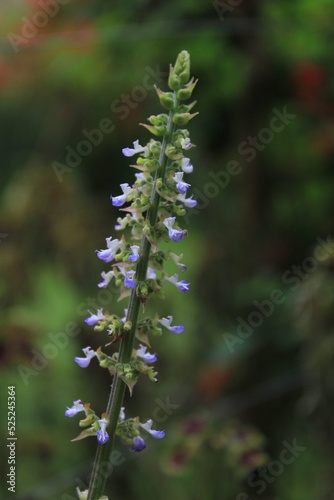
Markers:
151,207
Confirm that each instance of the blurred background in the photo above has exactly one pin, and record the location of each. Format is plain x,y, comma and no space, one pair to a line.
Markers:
246,394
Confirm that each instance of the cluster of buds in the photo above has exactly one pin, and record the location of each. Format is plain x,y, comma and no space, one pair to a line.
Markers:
151,208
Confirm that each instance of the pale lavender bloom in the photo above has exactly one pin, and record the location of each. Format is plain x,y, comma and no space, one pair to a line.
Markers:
186,166
174,234
176,259
156,434
181,186
118,201
122,414
94,318
145,356
84,362
140,176
188,202
128,279
137,148
102,435
151,274
109,254
135,255
76,408
138,444
107,277
182,286
185,143
166,322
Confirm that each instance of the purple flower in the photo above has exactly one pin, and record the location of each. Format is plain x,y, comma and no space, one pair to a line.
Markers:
181,186
84,362
94,318
107,277
138,444
128,279
188,202
182,286
176,259
137,149
174,234
185,143
102,435
76,408
122,414
166,322
146,356
186,166
118,201
134,256
109,254
156,434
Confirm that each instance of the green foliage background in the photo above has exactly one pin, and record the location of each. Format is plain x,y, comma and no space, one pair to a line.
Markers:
235,409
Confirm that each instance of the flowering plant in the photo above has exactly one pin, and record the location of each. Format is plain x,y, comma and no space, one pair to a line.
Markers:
157,198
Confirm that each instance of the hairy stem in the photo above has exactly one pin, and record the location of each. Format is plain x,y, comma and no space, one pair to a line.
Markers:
102,466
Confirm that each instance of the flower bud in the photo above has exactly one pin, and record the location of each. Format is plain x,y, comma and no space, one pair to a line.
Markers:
166,98
173,79
185,93
182,66
183,118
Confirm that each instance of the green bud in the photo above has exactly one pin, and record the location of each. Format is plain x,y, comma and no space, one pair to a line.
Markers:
182,66
159,183
185,93
166,98
173,79
183,118
158,131
127,326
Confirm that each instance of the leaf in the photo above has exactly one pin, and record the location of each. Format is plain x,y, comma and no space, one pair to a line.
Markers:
85,434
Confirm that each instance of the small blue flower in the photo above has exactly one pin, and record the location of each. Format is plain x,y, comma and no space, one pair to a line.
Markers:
102,435
84,362
187,166
156,434
134,256
122,414
146,356
107,277
185,143
166,322
174,234
128,279
188,202
94,318
137,149
181,186
182,286
138,444
76,408
109,254
118,201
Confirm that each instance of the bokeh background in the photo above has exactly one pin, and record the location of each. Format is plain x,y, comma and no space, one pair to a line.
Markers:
236,399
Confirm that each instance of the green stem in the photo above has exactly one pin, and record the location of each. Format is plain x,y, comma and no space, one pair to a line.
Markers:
116,396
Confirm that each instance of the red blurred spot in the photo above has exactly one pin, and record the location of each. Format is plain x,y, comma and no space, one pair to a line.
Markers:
212,380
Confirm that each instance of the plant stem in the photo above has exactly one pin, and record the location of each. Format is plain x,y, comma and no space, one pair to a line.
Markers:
100,469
